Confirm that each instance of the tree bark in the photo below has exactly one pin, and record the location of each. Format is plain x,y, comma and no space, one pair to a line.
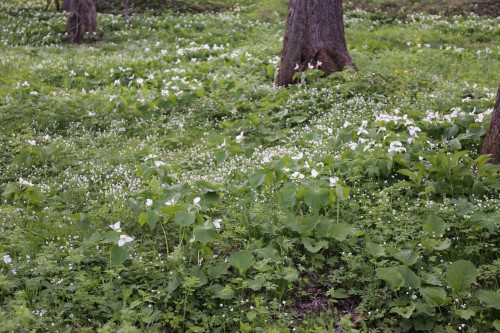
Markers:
314,36
491,144
65,5
82,21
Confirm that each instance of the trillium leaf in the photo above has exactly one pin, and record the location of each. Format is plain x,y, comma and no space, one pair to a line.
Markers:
149,217
118,254
205,234
404,312
465,314
407,257
222,292
490,299
312,245
340,231
434,296
434,226
316,198
411,279
218,270
184,218
268,252
257,178
460,275
375,250
242,260
392,277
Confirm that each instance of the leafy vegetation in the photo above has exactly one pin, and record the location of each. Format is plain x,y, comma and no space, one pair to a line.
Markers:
158,181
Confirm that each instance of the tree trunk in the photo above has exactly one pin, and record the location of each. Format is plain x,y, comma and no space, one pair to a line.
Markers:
314,36
82,21
65,5
491,144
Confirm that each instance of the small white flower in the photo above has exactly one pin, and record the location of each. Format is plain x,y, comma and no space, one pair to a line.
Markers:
139,80
353,145
170,202
196,201
149,202
124,239
413,130
239,138
296,66
333,181
217,223
298,156
7,259
192,240
159,163
396,147
314,173
116,226
25,182
32,142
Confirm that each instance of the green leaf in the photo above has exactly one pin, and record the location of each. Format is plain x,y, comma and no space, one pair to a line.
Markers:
135,303
407,257
205,234
222,292
338,294
149,217
316,198
287,196
82,221
340,231
411,279
488,221
460,275
221,156
424,308
268,252
392,277
404,312
434,296
490,299
184,218
118,254
257,178
242,260
218,270
375,250
289,274
465,314
312,245
434,226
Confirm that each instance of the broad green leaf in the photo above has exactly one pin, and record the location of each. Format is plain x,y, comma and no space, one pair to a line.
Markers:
496,325
407,257
118,254
256,283
411,279
185,218
209,198
434,226
436,244
205,234
197,272
304,226
287,196
338,294
82,221
434,296
221,156
135,206
268,252
222,292
135,303
460,275
218,270
289,274
404,312
392,277
242,260
340,231
257,178
375,250
312,245
490,299
424,308
465,314
316,198
149,217
488,221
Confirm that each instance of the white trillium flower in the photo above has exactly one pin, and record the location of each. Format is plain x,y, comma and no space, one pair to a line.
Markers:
32,142
333,180
314,173
124,239
116,227
25,182
239,138
149,202
196,201
217,223
7,259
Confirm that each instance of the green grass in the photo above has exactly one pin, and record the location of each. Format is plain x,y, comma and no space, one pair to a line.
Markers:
358,201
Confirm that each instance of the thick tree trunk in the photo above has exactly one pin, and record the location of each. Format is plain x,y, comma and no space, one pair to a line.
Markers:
65,5
82,21
491,143
314,36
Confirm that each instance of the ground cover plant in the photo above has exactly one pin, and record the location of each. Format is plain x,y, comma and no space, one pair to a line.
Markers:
158,181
